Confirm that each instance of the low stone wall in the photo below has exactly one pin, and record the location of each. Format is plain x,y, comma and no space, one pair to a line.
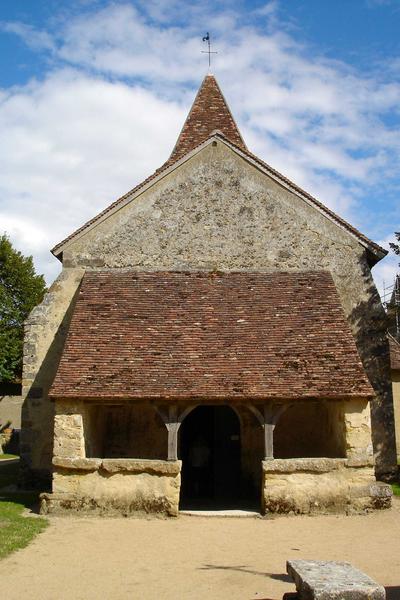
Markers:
122,486
312,485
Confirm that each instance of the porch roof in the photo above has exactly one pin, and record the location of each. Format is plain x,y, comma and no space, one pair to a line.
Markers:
214,336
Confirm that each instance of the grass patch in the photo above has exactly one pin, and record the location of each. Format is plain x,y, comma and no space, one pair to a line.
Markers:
16,530
396,489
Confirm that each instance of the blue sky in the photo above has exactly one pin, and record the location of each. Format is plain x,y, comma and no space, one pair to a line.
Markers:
93,95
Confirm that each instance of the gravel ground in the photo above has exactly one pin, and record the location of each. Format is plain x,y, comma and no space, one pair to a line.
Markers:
198,558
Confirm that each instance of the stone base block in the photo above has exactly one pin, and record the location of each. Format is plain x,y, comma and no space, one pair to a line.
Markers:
332,580
320,485
108,486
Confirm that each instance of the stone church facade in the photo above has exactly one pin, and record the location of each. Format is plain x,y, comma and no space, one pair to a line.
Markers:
216,300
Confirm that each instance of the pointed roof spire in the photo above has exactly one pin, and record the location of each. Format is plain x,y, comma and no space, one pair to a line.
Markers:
210,112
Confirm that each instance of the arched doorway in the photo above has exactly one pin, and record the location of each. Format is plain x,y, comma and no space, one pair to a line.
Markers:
209,446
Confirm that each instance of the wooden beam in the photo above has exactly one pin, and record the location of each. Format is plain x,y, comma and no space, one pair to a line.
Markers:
268,440
185,413
279,410
172,421
272,413
257,413
172,428
162,413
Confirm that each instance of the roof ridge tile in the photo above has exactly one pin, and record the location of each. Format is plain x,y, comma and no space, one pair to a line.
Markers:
209,113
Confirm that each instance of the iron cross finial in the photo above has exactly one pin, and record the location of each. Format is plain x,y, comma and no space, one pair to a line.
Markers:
207,39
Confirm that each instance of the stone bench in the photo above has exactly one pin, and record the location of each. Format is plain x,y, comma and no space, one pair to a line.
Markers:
331,580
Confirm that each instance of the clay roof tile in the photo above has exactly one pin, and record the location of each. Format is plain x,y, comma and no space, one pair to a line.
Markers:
209,113
198,335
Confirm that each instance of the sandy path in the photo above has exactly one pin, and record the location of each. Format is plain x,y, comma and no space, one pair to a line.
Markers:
195,557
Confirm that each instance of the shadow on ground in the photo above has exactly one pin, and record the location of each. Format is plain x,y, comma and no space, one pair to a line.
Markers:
246,569
9,491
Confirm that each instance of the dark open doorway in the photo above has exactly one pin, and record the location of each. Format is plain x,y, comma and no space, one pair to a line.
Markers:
211,459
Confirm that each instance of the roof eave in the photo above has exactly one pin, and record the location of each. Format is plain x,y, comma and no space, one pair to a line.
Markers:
230,397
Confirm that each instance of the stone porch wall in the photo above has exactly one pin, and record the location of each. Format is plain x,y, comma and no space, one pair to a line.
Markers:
309,485
130,485
312,485
105,485
122,486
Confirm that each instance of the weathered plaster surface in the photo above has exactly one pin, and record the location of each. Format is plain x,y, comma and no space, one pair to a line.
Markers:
311,429
357,424
45,331
125,431
218,212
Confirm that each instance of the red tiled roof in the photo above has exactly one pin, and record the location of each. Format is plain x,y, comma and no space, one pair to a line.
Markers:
204,335
394,348
209,112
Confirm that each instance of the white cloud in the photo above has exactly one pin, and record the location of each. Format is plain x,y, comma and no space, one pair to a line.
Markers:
269,9
385,272
76,140
37,40
377,3
70,146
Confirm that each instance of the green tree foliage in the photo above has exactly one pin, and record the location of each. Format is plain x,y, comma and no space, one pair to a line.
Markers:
20,290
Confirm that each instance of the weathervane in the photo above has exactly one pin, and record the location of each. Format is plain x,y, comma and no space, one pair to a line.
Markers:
207,39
